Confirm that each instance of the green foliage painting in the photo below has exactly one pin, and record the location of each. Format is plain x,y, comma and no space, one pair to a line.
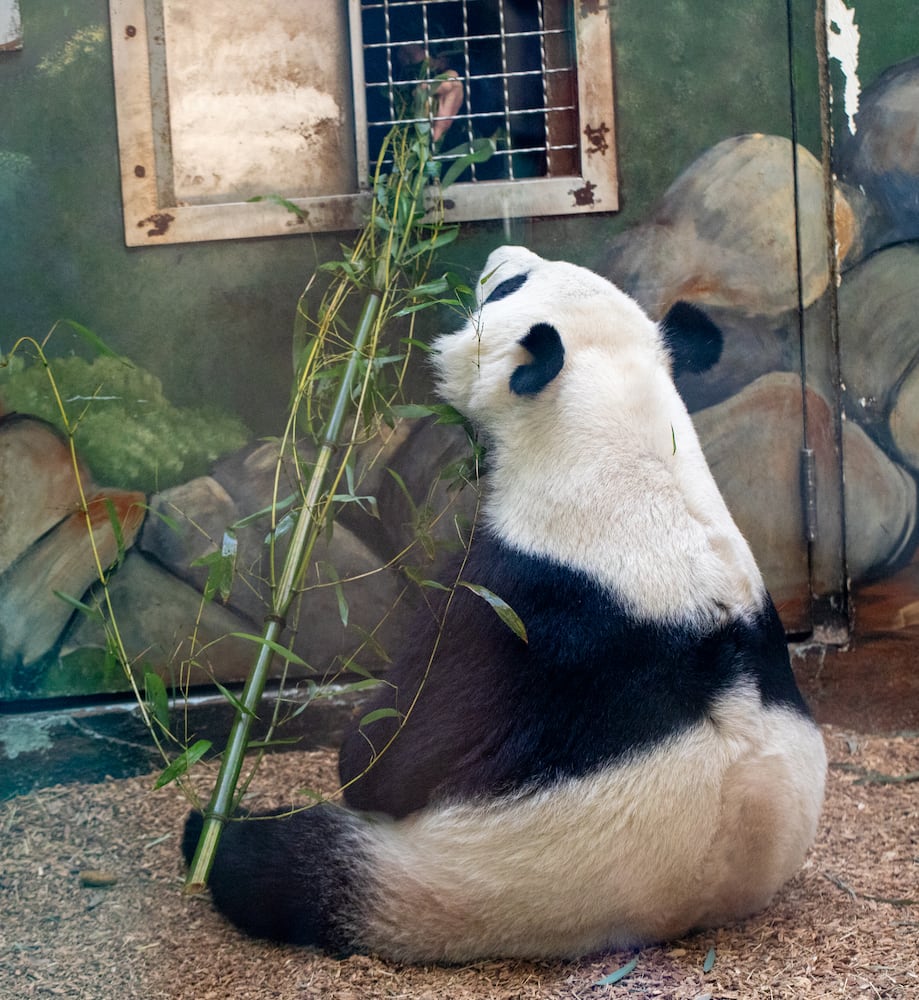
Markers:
126,430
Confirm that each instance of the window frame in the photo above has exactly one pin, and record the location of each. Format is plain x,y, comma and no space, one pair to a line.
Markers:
152,217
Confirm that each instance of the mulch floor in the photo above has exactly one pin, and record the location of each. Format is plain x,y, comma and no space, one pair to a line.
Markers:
91,907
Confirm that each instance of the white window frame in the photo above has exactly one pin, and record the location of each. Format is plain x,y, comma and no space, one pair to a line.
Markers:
152,216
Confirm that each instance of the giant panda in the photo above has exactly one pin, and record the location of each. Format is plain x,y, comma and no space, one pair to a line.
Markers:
642,763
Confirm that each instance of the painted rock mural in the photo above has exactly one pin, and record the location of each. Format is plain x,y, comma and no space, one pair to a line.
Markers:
879,161
727,223
724,235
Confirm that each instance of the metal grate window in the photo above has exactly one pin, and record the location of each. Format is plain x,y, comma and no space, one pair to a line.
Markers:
510,65
217,109
529,73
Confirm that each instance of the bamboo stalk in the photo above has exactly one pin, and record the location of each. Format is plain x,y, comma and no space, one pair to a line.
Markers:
399,203
220,806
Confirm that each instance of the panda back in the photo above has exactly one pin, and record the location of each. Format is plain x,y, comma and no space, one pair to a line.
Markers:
592,686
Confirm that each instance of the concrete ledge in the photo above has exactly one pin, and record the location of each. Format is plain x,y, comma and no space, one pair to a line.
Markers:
89,743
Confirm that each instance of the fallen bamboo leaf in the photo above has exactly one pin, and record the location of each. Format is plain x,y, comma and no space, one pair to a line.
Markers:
620,973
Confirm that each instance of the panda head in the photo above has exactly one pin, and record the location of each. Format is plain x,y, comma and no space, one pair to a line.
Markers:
594,462
534,316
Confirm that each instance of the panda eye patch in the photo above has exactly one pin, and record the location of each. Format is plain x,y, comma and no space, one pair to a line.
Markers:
505,288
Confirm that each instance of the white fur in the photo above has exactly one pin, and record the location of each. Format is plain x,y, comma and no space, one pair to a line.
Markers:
602,470
699,832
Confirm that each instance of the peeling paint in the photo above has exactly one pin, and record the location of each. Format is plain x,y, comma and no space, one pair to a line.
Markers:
842,44
24,734
85,42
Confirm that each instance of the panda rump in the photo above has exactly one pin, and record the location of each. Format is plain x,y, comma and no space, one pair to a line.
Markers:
643,764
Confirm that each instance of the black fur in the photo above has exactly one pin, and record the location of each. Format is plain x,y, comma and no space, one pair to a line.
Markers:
590,687
507,287
491,714
694,341
260,882
545,344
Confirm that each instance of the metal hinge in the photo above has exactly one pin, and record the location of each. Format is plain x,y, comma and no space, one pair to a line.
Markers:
809,493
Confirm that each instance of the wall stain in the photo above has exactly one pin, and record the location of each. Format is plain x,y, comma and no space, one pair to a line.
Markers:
597,138
584,195
590,7
160,222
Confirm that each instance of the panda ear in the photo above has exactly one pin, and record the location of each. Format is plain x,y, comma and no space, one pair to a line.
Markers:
693,339
545,344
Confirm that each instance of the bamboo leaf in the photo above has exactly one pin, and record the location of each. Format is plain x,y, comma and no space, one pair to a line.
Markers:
400,482
96,342
343,609
501,608
369,640
330,266
275,647
277,506
171,523
366,503
284,203
283,527
365,685
183,762
447,414
427,304
444,237
480,151
436,287
414,574
156,697
276,742
233,700
414,342
79,605
457,283
221,567
351,666
332,573
620,973
116,530
412,411
379,713
311,793
709,962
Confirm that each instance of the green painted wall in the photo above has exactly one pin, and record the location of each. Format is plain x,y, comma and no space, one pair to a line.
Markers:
214,321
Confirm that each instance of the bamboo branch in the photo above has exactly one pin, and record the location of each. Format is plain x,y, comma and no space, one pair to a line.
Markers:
385,251
218,811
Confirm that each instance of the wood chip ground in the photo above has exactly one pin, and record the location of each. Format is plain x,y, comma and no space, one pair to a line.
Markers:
91,907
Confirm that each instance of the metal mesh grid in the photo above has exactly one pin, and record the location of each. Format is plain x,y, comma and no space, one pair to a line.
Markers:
515,61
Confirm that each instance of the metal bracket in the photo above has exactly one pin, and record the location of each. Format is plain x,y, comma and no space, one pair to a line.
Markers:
809,493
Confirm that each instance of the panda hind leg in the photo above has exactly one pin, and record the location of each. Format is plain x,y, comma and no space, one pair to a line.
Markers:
285,877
